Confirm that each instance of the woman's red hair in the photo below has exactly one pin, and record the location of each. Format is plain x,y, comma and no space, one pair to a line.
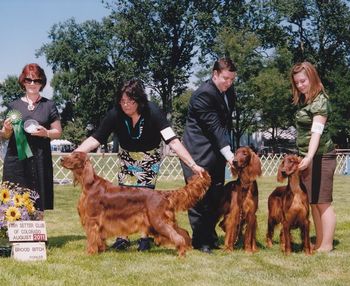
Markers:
33,71
316,85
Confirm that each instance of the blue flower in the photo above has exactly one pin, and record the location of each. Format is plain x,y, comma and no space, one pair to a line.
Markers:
133,168
155,167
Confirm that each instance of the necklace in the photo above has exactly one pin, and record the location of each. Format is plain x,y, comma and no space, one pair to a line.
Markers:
140,127
31,104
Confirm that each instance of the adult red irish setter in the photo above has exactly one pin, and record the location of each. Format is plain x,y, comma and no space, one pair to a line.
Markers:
108,210
288,205
241,201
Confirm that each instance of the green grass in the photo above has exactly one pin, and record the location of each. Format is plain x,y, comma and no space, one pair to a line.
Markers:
68,264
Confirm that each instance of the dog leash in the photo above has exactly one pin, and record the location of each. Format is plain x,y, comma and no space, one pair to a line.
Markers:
239,226
240,213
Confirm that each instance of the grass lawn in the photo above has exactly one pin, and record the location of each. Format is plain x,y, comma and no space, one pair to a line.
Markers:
68,264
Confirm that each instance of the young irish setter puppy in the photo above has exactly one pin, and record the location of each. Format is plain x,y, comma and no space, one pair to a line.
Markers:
289,206
107,210
241,200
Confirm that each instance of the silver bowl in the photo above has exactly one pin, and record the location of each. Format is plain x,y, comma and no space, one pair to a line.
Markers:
30,125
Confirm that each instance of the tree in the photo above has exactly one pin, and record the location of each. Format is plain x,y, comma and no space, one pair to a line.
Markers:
312,30
243,47
159,41
340,98
89,67
271,91
161,37
180,111
74,131
317,31
10,90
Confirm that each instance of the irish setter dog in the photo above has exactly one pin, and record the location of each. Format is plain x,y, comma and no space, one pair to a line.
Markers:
241,200
288,205
108,210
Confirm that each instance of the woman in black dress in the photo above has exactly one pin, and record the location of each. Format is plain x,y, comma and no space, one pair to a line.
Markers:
33,171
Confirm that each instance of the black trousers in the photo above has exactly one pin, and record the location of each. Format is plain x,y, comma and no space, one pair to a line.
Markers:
203,217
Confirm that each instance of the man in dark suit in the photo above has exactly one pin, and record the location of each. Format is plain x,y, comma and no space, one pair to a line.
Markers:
207,138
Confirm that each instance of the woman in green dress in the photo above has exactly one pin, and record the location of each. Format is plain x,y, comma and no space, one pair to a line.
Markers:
315,144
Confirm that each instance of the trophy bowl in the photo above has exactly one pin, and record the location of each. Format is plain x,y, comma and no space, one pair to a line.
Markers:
30,125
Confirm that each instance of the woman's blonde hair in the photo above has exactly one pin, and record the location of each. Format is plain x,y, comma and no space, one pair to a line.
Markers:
316,85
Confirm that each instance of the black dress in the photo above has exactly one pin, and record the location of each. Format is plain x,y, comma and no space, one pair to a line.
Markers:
36,172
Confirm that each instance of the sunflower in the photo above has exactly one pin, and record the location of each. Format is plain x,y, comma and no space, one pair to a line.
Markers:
18,200
12,214
5,195
26,196
30,207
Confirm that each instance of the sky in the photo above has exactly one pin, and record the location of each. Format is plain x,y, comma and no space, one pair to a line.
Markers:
24,27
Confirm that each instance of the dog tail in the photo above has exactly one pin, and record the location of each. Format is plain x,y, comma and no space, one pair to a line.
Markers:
186,197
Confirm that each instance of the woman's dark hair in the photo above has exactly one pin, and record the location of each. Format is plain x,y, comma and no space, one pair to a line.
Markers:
134,89
33,71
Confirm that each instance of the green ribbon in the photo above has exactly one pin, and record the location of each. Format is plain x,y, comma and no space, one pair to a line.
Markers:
23,148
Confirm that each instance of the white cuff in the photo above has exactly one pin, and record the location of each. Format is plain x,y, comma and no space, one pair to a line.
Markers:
167,133
317,127
227,153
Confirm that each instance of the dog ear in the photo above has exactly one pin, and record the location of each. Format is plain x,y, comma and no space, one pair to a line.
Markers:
88,172
280,178
254,168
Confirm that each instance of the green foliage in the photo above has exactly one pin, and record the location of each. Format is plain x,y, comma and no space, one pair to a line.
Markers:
243,47
317,31
160,36
74,131
10,90
88,67
160,41
180,112
284,32
271,92
339,95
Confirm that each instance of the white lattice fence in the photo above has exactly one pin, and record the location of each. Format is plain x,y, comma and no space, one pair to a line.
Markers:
269,164
106,166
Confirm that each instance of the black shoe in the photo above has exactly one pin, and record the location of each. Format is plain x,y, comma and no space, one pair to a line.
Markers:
215,245
121,244
205,249
144,244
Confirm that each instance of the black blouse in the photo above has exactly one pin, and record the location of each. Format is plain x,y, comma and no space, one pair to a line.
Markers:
145,136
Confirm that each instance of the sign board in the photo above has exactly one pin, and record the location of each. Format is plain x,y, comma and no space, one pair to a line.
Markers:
29,251
27,230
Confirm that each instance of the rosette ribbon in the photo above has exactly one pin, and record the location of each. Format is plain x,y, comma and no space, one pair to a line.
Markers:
23,148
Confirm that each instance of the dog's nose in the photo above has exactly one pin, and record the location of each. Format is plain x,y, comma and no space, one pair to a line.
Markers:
235,163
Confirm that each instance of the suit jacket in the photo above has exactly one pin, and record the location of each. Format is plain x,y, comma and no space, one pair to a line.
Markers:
208,126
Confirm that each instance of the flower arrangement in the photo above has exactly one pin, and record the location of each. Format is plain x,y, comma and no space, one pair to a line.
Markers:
16,203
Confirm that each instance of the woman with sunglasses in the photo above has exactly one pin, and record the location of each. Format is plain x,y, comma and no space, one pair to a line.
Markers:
33,168
140,126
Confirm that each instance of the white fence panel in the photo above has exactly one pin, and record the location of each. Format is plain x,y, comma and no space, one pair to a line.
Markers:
106,165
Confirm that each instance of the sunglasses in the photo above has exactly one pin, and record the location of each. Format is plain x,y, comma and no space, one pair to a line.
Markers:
35,81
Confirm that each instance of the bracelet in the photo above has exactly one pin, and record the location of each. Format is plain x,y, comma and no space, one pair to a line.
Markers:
6,135
48,134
